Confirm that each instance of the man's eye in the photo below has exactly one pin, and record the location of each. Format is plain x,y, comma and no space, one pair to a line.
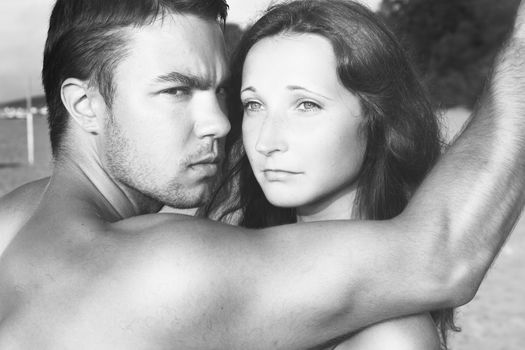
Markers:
177,91
307,106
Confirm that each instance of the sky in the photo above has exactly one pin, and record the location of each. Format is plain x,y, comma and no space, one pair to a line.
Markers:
23,26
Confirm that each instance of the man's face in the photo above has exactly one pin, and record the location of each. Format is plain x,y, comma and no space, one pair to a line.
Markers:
164,128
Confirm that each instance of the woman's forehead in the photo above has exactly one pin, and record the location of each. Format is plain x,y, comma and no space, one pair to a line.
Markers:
306,60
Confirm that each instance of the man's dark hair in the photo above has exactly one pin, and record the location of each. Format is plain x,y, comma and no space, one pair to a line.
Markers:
86,41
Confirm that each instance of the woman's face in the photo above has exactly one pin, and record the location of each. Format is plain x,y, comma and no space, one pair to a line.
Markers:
301,126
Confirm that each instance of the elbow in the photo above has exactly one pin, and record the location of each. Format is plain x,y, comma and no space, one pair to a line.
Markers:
459,286
457,271
462,294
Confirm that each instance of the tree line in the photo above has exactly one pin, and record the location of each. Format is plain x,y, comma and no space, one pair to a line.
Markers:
451,42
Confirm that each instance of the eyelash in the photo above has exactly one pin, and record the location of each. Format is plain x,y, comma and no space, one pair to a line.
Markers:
177,91
246,106
315,106
181,91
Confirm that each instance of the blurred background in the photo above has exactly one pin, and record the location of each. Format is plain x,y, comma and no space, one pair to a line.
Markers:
452,43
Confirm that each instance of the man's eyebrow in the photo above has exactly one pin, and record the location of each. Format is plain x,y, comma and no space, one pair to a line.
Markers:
297,87
189,80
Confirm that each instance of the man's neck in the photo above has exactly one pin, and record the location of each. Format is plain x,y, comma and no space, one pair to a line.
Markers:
91,181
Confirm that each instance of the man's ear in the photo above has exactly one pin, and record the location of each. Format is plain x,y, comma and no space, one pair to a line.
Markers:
75,97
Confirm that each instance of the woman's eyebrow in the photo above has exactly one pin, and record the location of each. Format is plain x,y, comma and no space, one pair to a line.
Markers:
249,88
301,88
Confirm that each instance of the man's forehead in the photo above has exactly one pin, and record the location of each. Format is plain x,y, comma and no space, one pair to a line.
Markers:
183,29
179,43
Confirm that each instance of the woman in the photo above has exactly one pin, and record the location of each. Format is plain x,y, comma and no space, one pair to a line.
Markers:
335,125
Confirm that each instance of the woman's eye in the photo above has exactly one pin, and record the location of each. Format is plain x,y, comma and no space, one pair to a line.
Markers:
252,106
308,106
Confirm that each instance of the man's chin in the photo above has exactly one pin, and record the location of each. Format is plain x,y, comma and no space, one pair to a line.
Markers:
189,198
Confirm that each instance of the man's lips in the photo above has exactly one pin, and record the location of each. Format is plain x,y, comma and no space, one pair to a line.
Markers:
206,166
207,160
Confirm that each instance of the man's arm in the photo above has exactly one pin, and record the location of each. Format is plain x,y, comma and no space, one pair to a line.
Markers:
299,285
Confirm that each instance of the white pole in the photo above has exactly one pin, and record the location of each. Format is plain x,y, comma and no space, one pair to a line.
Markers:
29,128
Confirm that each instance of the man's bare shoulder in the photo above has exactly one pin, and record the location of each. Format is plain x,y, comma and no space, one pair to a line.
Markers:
25,195
177,234
184,266
16,208
176,226
185,250
150,276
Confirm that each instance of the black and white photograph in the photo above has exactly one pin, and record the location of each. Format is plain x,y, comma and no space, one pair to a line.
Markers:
262,174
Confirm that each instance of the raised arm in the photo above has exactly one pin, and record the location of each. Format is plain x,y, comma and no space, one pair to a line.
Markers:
474,196
306,284
463,212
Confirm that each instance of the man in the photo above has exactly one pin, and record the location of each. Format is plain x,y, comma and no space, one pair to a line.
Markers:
135,91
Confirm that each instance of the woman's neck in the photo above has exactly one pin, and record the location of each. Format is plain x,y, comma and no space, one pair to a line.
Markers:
339,206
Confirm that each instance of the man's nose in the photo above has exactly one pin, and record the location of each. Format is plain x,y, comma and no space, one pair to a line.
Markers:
271,136
213,121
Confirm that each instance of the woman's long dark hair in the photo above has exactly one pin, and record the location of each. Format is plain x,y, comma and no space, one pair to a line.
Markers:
402,130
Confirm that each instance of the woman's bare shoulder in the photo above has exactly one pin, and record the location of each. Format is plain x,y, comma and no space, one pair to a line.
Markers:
416,332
